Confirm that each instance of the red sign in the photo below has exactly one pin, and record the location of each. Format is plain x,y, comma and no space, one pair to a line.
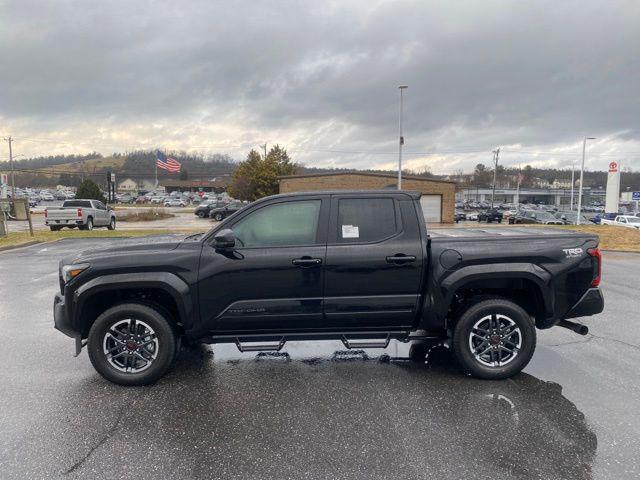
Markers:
613,167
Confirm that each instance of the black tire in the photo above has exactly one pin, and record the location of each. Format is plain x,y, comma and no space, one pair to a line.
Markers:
201,213
218,217
489,308
112,224
88,225
164,334
55,228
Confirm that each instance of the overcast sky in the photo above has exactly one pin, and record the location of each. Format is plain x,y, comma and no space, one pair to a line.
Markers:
320,78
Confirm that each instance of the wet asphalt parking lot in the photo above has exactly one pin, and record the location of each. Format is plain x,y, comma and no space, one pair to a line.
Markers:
316,411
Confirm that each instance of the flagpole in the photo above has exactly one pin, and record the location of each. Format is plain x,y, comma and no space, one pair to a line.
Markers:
156,164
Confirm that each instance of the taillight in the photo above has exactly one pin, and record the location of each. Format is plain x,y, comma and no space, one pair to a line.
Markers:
80,213
597,274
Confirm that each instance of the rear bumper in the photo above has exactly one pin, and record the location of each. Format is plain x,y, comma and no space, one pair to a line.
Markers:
591,303
61,319
63,222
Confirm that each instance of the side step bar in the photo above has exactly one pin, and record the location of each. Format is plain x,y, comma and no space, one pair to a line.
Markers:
365,343
355,342
260,347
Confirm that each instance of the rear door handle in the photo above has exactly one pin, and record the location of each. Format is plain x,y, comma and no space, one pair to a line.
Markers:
306,262
400,258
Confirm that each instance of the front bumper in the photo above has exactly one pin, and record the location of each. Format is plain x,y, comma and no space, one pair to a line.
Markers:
61,318
591,303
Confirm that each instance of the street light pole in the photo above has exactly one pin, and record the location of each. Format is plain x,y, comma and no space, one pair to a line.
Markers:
573,182
584,148
496,154
401,137
13,178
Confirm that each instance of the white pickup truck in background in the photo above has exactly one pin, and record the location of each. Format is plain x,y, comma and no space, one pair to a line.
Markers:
628,221
84,214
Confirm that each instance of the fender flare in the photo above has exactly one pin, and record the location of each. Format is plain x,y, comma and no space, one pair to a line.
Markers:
170,283
473,273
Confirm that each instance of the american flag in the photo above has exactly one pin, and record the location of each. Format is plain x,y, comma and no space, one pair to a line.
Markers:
167,163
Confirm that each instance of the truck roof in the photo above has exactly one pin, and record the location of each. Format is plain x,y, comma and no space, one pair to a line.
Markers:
415,195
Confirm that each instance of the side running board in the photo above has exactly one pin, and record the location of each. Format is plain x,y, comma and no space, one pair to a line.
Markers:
366,342
260,347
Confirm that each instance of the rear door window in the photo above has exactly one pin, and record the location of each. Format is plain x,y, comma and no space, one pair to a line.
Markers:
366,220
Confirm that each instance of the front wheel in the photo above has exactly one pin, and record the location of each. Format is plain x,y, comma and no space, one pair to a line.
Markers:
201,214
494,339
112,224
132,344
217,217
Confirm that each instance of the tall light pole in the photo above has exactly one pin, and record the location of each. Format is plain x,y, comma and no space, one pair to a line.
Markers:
13,178
584,148
573,181
401,137
496,154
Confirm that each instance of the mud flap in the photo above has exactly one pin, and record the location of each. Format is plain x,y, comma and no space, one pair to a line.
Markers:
79,345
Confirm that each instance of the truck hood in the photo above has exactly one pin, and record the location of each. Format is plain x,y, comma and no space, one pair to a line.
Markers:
128,246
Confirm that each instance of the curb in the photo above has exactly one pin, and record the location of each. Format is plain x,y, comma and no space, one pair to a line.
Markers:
27,244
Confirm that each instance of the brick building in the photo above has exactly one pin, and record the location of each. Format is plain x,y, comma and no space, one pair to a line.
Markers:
438,199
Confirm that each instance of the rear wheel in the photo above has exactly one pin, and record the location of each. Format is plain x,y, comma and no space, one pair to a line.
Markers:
494,339
201,213
218,217
55,228
132,344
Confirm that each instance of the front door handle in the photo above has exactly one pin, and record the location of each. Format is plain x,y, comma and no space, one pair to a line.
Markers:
306,262
400,258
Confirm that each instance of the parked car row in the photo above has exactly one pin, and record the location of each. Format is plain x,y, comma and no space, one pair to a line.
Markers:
217,209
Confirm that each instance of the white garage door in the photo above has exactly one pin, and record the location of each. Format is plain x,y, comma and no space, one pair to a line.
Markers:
432,208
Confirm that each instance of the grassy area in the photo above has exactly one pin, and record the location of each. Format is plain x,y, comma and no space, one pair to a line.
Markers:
611,238
21,238
145,216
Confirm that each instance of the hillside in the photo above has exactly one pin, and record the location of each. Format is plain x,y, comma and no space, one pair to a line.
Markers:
89,166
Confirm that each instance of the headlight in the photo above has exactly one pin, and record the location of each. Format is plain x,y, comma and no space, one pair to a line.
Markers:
69,272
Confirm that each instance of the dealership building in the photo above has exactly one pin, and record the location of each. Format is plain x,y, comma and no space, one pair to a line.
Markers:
438,196
549,196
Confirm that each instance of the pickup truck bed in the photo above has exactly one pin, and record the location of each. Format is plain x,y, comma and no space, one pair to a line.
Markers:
356,266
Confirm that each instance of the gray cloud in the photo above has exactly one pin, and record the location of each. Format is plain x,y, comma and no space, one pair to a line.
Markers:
322,77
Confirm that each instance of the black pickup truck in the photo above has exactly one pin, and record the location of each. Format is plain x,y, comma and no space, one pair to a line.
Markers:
359,267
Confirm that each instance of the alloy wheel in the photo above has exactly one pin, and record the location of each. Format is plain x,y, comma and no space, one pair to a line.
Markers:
130,346
495,340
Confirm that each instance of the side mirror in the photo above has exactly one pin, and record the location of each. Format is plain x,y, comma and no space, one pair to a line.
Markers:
563,217
224,239
533,215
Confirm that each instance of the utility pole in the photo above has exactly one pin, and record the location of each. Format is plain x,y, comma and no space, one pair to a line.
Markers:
401,137
265,150
496,155
13,178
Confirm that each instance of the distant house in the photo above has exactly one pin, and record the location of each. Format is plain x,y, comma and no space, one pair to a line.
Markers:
128,185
